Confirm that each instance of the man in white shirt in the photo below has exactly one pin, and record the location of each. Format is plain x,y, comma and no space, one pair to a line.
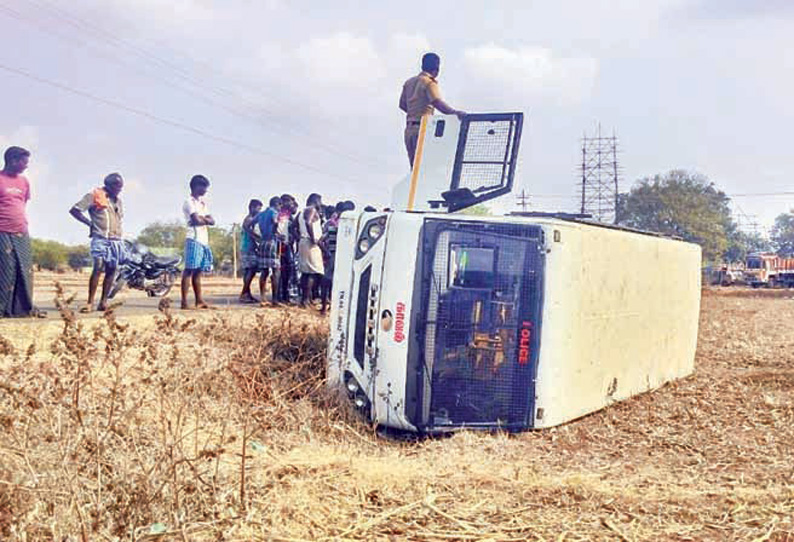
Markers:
198,255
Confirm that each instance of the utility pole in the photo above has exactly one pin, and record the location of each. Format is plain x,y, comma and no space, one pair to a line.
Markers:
522,200
234,250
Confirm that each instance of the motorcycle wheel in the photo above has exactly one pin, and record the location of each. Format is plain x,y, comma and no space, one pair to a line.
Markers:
118,284
163,293
165,288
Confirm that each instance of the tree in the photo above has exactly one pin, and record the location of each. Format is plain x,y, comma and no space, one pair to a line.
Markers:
222,245
782,234
681,204
477,210
740,244
163,235
49,255
78,256
171,235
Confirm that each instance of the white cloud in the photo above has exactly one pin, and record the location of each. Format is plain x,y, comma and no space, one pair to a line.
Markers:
341,60
405,51
530,73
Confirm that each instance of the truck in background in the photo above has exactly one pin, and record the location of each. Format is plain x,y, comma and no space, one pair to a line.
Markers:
769,270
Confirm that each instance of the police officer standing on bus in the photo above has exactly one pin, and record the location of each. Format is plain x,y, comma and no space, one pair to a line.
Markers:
420,96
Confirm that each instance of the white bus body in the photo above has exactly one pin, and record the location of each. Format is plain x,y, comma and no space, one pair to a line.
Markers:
442,321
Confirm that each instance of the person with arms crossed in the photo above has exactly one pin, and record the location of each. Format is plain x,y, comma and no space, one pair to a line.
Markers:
105,212
198,255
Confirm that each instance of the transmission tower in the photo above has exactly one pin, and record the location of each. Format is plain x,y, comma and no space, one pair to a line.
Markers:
600,176
522,200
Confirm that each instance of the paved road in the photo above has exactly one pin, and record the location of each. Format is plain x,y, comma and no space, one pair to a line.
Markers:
221,292
132,305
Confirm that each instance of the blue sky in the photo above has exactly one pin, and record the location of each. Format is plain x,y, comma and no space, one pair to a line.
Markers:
301,96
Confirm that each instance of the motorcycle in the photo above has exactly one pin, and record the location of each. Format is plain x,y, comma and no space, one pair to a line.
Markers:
144,270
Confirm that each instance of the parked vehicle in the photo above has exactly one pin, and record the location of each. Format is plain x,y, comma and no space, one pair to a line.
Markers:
442,321
144,270
769,270
724,275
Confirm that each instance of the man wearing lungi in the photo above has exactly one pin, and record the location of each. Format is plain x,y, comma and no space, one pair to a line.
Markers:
269,251
198,255
16,280
105,213
249,249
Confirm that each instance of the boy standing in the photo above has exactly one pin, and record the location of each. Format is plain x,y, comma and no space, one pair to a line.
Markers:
249,248
269,250
198,255
105,213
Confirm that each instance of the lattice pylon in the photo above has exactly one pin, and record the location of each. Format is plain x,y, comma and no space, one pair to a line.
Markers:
600,177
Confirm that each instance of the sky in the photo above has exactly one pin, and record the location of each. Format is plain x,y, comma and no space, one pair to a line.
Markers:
266,97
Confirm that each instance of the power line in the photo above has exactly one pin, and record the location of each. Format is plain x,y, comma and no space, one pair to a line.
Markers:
172,70
761,194
168,122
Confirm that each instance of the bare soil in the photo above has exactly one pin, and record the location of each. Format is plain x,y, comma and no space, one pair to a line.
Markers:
216,426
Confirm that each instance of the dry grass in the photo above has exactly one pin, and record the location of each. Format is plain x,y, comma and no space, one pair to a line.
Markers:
219,428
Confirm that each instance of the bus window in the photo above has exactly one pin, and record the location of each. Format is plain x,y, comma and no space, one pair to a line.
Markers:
472,267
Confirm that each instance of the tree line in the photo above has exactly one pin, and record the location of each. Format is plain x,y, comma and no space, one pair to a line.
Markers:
678,203
689,206
159,236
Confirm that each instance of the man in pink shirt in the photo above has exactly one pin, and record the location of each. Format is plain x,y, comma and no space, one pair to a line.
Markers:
16,283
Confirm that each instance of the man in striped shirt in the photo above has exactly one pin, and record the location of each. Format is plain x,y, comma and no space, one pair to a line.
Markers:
105,212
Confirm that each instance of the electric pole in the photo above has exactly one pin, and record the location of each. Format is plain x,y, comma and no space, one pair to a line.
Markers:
234,250
522,200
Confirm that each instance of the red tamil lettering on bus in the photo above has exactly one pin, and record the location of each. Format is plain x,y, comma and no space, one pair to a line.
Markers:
399,323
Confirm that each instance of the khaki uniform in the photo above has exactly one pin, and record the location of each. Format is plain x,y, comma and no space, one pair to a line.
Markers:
416,99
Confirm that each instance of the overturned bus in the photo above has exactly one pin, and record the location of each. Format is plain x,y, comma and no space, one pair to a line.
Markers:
441,321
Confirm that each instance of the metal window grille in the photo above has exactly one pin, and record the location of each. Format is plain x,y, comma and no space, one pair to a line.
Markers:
471,335
485,160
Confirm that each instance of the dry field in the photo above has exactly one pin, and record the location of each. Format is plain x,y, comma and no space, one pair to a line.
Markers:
215,426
